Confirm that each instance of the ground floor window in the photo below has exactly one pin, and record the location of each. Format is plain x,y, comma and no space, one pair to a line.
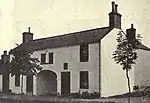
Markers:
84,80
17,80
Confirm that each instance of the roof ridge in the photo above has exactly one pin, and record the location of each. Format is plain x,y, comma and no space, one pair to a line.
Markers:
65,34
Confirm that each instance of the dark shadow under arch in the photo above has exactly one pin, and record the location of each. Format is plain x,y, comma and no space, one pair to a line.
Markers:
46,83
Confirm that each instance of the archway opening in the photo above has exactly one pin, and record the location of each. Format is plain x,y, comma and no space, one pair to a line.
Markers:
46,83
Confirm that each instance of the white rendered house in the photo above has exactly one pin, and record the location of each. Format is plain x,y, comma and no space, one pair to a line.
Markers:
75,62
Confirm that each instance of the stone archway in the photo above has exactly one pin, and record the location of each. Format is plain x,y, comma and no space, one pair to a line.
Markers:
46,83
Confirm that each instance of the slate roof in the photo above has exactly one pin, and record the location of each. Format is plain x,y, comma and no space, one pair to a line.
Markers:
141,46
77,38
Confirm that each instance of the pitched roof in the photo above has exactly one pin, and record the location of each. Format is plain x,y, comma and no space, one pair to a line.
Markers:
77,38
141,46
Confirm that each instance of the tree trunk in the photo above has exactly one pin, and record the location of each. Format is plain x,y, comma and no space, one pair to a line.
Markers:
127,75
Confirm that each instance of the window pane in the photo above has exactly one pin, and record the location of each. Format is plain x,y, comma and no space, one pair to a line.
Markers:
65,66
84,82
17,80
43,58
84,53
50,58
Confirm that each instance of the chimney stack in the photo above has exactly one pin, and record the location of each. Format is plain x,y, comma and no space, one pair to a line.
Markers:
5,57
27,36
114,17
116,7
131,34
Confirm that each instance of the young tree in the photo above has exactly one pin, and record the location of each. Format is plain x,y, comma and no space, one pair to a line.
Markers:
125,54
23,64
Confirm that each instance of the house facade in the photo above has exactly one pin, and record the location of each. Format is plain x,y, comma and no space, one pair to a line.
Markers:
75,62
71,62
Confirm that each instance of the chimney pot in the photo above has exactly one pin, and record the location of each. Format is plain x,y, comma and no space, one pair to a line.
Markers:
116,8
113,6
29,28
131,25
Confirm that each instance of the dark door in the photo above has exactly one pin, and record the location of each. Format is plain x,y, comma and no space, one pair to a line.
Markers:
6,83
29,85
65,83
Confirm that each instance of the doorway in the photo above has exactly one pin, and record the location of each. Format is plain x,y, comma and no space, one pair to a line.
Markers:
29,84
65,83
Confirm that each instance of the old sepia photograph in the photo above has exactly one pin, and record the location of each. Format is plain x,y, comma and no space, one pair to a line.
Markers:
74,51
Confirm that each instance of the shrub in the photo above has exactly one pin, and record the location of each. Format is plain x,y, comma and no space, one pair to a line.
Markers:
83,95
136,87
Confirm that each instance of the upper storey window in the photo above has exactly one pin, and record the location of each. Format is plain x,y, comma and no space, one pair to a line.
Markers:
84,53
50,58
43,58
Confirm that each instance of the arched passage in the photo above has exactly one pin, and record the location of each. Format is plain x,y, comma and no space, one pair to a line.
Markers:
46,83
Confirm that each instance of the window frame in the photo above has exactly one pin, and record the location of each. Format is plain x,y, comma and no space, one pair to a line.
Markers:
17,80
43,62
51,58
83,80
65,66
84,53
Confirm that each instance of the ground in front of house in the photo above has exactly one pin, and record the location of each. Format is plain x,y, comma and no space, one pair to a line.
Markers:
12,98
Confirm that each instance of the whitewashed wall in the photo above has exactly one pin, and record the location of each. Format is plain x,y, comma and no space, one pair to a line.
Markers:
17,89
142,69
70,55
113,78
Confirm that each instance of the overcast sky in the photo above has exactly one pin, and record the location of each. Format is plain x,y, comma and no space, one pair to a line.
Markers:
54,17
